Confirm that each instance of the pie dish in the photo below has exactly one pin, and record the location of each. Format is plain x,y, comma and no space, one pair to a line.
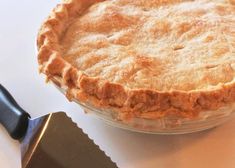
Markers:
142,59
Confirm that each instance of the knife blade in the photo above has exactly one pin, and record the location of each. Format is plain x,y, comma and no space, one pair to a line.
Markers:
53,140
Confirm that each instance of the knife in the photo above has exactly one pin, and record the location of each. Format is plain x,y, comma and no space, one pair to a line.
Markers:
50,141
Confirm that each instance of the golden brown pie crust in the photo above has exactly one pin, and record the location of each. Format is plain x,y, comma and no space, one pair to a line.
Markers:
146,101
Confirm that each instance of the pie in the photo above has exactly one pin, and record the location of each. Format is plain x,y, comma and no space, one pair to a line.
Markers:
142,58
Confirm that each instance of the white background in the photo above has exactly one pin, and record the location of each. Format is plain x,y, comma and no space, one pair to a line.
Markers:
19,23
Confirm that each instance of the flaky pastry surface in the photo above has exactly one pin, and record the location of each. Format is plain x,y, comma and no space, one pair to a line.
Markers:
141,58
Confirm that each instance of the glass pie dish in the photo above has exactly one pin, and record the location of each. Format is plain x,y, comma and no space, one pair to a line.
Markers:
168,68
165,125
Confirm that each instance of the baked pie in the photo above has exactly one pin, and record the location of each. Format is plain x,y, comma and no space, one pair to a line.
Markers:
142,58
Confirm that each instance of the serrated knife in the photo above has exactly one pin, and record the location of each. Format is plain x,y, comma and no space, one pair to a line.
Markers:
51,141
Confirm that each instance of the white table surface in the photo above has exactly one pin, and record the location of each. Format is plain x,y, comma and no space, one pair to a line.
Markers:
19,22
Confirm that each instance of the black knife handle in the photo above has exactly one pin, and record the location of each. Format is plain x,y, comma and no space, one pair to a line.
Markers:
12,116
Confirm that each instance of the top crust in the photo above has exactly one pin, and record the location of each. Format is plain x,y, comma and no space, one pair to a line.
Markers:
144,59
